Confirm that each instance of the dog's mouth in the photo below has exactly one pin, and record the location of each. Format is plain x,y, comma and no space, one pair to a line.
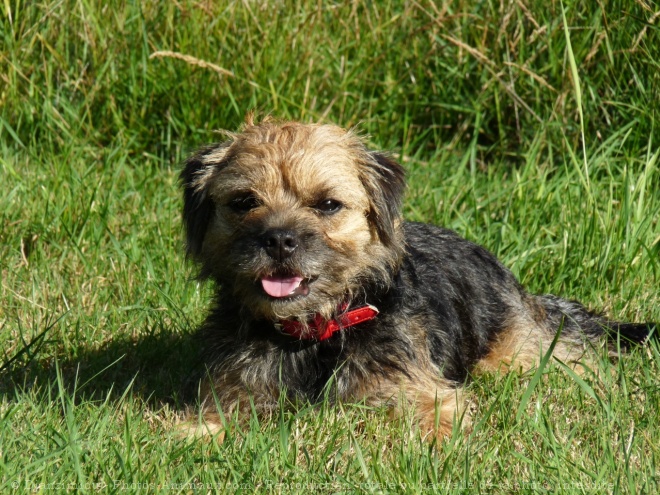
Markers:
285,286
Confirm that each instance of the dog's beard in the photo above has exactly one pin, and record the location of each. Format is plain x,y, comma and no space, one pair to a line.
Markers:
303,287
292,291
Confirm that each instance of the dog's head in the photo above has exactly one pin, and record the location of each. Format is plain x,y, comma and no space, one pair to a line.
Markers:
293,219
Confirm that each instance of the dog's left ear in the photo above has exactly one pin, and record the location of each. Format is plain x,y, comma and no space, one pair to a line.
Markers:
198,207
385,181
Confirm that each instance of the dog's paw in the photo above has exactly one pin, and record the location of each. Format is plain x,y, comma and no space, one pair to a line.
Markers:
201,428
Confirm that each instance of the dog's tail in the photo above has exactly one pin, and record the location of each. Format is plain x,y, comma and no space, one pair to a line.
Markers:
631,334
574,319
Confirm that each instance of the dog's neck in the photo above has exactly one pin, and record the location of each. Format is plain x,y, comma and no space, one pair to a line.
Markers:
320,329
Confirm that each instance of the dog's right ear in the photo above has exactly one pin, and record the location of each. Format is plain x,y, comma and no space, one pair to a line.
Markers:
198,207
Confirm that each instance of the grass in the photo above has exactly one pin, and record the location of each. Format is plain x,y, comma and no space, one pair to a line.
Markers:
100,102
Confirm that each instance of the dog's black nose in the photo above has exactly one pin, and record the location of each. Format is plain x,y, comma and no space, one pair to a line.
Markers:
280,243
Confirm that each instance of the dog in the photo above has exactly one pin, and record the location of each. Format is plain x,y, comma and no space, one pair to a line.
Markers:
324,291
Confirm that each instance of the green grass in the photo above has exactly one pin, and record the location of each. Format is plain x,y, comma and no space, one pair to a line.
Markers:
479,99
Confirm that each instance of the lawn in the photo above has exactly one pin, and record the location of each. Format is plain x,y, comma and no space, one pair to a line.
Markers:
531,127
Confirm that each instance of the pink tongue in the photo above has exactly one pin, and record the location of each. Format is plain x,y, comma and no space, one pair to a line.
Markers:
280,286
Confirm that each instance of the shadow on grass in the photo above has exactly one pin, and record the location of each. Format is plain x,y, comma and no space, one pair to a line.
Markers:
160,368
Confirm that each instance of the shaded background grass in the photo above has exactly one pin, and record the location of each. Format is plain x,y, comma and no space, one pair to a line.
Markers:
100,102
431,74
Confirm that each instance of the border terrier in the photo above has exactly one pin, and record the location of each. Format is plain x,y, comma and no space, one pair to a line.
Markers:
324,290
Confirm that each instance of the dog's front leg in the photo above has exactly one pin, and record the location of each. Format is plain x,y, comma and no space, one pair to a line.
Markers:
436,403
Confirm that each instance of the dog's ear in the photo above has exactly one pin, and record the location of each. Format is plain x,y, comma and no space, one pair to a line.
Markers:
385,181
198,207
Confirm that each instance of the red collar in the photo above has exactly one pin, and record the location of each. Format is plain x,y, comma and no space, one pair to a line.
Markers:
319,329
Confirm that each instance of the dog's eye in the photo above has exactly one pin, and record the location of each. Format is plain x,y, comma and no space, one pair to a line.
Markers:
328,206
243,204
